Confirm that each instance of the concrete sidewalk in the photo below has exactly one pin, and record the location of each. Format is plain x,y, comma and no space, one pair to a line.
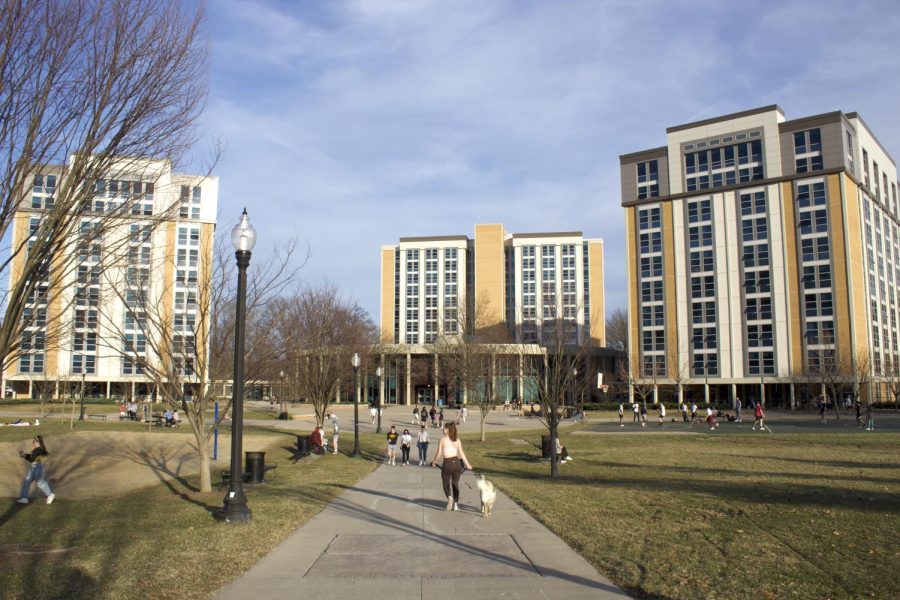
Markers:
390,536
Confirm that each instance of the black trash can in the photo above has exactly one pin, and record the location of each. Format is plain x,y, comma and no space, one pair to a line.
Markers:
303,444
545,446
255,466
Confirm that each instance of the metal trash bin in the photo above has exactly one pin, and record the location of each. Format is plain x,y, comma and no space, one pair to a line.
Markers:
303,444
545,446
255,466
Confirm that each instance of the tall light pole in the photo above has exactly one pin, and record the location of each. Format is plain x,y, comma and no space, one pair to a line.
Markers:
235,509
378,397
355,362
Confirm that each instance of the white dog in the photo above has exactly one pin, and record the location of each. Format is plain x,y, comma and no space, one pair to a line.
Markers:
488,494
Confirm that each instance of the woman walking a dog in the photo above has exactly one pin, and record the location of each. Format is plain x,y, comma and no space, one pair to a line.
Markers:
451,450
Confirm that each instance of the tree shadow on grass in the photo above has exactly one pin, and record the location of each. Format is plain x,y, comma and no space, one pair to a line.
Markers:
797,494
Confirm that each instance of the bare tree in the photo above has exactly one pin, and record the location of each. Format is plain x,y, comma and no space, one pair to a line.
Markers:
175,334
828,372
617,330
890,375
860,373
551,371
468,349
88,89
319,329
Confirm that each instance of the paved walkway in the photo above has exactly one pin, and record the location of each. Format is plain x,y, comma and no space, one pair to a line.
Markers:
390,536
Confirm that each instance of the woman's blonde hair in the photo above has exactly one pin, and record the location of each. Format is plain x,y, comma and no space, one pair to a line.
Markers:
451,431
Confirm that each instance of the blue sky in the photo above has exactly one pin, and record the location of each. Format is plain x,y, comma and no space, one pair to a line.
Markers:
349,124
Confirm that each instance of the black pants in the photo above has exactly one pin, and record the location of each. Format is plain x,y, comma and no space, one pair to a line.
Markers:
450,472
405,452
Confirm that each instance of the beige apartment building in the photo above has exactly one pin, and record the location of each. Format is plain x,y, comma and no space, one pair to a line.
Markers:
763,257
159,248
516,286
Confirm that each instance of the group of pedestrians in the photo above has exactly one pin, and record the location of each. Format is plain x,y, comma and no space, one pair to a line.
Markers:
689,414
449,451
421,417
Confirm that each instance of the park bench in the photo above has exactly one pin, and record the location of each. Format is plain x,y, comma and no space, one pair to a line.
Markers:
101,417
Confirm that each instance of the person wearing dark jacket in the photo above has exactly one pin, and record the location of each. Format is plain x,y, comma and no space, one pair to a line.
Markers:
35,471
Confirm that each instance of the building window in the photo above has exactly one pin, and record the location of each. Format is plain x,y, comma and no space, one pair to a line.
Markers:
647,180
649,218
808,150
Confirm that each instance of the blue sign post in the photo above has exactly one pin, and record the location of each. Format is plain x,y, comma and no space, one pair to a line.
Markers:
216,433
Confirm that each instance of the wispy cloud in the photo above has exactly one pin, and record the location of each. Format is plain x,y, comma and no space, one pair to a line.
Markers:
350,124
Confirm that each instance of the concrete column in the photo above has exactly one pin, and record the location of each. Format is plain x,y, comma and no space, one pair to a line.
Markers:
337,392
706,391
408,399
762,393
108,388
56,390
655,394
437,385
384,374
30,389
793,399
521,380
132,390
680,394
733,395
630,392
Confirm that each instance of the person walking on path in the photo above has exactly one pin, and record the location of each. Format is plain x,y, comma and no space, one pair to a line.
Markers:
737,410
465,413
422,444
859,422
415,416
441,418
373,412
758,417
870,420
392,445
433,414
693,411
662,413
684,412
424,418
36,471
451,450
637,413
621,414
405,443
643,415
821,406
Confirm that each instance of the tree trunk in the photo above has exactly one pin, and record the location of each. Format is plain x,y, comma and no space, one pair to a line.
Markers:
483,417
205,464
554,470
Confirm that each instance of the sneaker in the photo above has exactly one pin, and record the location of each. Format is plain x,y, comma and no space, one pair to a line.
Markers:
449,503
22,500
455,506
51,498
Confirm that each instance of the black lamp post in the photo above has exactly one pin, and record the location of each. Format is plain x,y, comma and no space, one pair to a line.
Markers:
355,362
378,397
235,509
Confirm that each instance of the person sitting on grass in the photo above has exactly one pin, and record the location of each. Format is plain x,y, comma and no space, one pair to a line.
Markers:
562,454
315,441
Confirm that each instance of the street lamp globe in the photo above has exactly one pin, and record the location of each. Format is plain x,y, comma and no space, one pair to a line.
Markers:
243,236
355,360
378,372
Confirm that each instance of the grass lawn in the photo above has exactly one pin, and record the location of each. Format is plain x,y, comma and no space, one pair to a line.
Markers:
160,542
706,516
